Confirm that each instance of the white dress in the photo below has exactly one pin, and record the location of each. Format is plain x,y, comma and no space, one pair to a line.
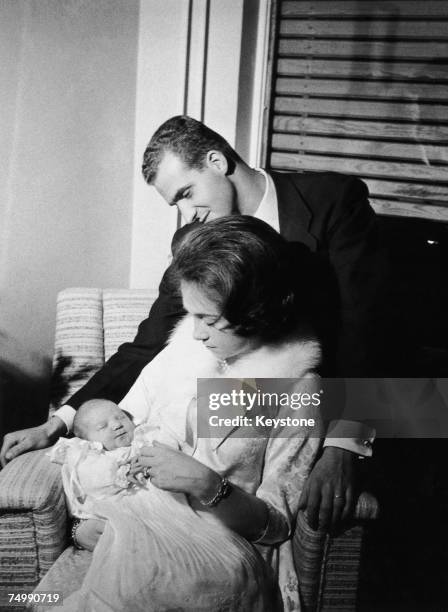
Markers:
91,474
156,552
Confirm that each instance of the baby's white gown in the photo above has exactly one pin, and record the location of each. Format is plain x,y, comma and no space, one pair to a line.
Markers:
156,552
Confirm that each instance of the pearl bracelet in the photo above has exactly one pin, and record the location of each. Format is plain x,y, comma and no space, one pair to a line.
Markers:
224,490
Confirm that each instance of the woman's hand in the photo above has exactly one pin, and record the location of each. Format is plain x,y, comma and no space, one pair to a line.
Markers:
172,470
88,533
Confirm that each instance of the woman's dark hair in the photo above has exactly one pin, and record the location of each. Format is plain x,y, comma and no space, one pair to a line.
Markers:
190,140
242,265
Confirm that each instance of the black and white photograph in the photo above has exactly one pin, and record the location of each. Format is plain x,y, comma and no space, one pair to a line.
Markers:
224,305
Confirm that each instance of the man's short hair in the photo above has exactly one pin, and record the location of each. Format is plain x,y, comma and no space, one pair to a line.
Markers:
190,140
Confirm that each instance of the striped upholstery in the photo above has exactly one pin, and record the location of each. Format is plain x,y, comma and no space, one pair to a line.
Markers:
338,589
32,519
79,337
328,567
91,324
123,311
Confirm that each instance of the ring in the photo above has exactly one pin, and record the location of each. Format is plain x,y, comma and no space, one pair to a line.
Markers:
337,496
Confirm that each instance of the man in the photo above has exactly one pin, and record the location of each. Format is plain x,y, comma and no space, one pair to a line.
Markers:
197,171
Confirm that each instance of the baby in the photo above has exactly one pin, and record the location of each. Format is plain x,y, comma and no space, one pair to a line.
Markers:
96,462
100,420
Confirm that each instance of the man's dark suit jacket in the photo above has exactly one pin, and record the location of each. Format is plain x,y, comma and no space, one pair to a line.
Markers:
330,214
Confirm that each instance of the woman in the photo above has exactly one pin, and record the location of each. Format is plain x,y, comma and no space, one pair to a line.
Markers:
212,530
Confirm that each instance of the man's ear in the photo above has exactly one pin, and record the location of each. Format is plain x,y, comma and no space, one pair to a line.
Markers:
217,161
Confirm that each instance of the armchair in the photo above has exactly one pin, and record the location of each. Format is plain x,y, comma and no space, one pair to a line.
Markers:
90,325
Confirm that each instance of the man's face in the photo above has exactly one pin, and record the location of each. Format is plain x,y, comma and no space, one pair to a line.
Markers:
200,195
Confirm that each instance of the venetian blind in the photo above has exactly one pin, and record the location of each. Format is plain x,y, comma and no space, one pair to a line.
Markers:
360,87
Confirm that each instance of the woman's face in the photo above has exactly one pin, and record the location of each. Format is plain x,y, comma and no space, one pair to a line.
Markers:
210,327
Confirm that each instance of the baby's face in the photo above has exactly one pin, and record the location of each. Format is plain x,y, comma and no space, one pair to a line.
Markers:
108,424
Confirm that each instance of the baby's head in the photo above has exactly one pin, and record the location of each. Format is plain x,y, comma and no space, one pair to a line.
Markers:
100,420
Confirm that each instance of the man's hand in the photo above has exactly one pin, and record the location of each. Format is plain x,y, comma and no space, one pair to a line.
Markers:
18,442
329,492
88,533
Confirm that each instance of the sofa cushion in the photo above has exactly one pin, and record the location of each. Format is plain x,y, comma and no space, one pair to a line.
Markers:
79,345
123,311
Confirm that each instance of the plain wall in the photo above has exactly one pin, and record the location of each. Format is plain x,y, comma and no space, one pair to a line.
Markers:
160,94
84,83
203,63
247,70
68,80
